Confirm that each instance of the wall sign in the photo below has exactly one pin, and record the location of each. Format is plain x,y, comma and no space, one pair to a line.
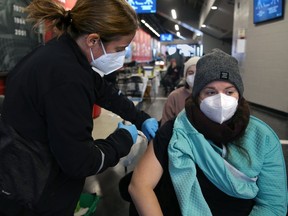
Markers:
143,6
166,37
16,35
265,10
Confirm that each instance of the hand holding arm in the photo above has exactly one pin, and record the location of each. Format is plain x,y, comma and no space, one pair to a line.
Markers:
149,128
131,129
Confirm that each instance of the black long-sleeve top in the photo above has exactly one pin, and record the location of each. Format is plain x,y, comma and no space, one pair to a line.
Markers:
49,98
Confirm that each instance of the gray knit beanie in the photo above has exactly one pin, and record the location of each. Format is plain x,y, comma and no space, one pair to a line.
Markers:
217,66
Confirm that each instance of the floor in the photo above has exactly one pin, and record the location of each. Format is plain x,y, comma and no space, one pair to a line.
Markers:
107,183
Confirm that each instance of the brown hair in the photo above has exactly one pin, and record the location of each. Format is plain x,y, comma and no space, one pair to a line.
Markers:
108,18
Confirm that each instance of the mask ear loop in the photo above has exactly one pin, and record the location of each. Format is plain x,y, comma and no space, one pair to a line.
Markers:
91,53
103,48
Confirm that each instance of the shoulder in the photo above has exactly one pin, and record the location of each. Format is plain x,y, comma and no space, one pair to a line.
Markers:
174,93
259,126
260,133
172,97
66,61
182,91
161,142
165,131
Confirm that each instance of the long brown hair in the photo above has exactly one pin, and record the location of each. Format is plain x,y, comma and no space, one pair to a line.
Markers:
109,18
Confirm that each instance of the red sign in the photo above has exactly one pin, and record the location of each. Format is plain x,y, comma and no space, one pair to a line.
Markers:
141,47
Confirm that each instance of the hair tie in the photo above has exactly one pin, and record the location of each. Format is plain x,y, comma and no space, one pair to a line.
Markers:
68,17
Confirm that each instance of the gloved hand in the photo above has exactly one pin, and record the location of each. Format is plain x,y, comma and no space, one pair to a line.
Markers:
149,128
131,129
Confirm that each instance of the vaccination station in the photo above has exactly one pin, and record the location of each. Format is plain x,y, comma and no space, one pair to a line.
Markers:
143,107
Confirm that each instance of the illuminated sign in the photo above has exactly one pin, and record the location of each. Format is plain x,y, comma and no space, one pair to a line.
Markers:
166,37
265,10
143,6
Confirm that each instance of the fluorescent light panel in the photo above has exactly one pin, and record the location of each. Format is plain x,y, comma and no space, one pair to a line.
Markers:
152,29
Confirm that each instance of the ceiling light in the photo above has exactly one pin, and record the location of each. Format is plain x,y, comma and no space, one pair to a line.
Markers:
214,7
178,34
148,26
203,26
174,15
176,27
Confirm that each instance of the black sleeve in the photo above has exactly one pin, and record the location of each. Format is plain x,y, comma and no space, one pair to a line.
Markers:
169,71
69,128
115,146
161,142
111,98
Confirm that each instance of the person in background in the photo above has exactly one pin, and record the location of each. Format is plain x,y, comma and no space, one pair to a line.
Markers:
176,99
46,146
172,76
214,158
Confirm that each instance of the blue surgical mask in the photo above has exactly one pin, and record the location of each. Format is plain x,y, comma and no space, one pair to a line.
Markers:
108,62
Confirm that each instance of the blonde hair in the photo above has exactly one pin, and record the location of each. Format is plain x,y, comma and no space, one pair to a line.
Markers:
108,18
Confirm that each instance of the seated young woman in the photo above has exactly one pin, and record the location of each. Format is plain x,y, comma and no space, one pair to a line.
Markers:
214,158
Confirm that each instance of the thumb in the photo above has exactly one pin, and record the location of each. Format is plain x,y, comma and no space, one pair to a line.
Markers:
151,132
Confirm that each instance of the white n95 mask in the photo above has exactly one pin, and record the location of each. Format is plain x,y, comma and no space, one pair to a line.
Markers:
219,108
108,62
190,80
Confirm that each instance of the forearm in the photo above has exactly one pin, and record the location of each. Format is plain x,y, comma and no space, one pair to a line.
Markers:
145,201
272,181
113,100
115,146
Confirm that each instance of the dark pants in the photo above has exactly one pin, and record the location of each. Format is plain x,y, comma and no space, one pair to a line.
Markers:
169,83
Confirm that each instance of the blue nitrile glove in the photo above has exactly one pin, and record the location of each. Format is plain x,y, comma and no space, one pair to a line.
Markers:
131,129
149,128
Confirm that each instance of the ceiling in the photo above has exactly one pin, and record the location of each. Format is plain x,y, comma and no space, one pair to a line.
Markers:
219,22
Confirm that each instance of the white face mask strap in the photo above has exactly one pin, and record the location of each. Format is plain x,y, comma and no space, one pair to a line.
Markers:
91,53
103,48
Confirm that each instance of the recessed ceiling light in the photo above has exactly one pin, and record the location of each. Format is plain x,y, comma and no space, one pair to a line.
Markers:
214,7
174,15
203,26
176,27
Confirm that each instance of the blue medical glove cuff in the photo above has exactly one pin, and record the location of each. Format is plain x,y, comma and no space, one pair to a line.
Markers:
149,128
131,129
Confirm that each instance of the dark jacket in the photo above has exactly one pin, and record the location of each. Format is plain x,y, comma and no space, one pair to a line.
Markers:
49,99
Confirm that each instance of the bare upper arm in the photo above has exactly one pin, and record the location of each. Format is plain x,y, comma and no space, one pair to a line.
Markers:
148,171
